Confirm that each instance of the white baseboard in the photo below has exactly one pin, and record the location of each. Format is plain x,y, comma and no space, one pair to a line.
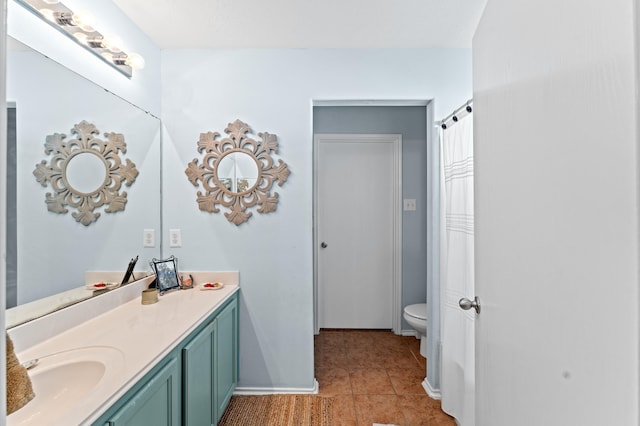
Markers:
246,390
433,393
410,333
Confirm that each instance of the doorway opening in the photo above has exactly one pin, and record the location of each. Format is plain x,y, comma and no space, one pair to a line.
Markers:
410,121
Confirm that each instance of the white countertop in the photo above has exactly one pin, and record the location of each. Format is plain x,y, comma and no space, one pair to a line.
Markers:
144,334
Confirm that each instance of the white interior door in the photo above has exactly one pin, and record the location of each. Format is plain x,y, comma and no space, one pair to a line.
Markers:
556,213
357,214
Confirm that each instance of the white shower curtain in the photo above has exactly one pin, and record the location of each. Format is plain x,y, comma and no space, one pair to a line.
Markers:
457,381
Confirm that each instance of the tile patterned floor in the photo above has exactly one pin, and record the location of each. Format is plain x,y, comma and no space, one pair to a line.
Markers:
375,377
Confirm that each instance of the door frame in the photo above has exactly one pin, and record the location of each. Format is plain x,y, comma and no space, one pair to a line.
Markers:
396,140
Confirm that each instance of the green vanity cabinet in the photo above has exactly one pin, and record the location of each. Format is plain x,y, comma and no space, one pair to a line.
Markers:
157,403
192,385
226,357
198,378
210,369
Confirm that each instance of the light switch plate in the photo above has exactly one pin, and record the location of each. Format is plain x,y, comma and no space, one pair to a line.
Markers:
149,238
409,204
175,238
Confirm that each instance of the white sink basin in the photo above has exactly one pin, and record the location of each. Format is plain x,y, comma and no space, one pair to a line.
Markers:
65,380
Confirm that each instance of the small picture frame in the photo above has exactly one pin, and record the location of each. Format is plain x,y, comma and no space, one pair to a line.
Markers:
166,271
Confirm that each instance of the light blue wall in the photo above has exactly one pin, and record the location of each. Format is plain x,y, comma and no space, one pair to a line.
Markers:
273,90
411,122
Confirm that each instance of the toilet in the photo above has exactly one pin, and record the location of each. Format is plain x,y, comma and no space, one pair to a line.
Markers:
416,316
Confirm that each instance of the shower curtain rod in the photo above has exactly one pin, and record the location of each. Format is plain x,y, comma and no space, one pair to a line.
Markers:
455,114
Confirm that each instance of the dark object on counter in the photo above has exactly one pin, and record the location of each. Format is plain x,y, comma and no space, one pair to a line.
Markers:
166,271
129,273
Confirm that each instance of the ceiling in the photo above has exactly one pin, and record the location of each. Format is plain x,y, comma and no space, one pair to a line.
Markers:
306,23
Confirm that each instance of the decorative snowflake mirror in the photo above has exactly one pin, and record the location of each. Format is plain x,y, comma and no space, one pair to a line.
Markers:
85,173
237,172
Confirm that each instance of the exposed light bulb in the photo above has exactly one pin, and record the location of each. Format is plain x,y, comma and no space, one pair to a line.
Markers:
85,21
48,14
113,43
95,42
119,58
81,37
135,61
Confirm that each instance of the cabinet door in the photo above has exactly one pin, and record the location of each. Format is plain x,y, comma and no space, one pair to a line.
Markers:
198,379
226,356
157,403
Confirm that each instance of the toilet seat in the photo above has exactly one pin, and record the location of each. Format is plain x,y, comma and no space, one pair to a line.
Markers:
417,311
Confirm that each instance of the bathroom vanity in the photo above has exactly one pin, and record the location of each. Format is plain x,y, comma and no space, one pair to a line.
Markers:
169,363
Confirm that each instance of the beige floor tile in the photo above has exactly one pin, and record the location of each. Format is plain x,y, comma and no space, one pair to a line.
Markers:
383,409
344,413
420,410
330,357
414,344
359,338
375,377
389,339
330,338
333,381
407,381
399,358
370,381
370,357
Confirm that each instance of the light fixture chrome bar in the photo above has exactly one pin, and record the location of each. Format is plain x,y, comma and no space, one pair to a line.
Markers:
64,20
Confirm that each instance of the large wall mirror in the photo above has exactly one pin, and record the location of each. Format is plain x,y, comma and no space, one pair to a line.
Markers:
49,253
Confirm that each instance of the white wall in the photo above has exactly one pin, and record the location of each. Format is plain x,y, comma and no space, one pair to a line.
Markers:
272,90
556,156
143,89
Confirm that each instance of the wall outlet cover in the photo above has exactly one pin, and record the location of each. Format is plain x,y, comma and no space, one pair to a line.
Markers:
149,238
409,204
175,238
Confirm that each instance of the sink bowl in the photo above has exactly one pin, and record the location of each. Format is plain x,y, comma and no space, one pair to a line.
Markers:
65,380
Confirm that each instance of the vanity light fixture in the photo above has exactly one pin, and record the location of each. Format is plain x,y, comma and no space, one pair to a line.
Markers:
80,27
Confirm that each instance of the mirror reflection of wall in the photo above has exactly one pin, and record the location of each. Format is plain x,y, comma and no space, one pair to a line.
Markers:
53,251
238,172
85,172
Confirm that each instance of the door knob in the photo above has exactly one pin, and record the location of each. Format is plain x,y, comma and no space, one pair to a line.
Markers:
323,244
467,304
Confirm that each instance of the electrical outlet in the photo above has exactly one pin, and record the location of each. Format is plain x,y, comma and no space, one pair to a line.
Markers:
409,204
149,238
175,238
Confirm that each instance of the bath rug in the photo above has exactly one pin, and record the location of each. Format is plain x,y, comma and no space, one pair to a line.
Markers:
278,410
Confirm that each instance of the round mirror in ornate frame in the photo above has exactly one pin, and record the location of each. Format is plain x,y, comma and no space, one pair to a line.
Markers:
231,186
85,143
